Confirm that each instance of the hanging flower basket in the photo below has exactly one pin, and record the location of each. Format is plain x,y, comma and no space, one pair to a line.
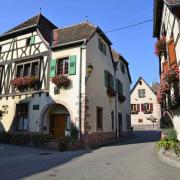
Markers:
111,92
160,46
121,98
61,81
24,83
173,75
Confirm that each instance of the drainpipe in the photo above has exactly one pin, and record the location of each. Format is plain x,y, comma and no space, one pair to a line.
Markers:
80,85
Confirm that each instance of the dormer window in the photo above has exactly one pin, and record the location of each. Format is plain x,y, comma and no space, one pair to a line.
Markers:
102,46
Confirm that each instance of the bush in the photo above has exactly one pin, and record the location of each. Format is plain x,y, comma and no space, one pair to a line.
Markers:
20,138
63,144
171,135
168,146
5,137
40,138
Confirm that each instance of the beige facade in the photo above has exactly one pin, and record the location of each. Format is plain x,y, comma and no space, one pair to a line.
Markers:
78,104
144,105
167,24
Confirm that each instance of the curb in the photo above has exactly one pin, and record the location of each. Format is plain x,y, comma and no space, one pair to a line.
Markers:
131,137
170,160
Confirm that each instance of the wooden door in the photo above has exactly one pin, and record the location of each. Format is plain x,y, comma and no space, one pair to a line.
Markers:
57,126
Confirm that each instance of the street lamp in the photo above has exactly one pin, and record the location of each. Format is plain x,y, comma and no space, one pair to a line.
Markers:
152,119
89,70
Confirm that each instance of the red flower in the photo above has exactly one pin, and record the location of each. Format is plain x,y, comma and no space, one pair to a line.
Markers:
22,83
160,46
61,81
111,92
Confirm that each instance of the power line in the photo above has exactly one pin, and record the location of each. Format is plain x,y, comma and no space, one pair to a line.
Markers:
130,26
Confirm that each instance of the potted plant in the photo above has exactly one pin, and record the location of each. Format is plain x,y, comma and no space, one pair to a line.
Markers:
121,98
160,46
25,83
61,81
111,92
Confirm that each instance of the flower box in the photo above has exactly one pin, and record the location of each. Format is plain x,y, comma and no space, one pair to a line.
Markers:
25,83
111,92
121,98
148,112
134,112
61,81
160,46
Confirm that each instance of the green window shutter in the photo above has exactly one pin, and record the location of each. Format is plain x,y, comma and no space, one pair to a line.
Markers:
52,68
72,65
106,78
32,41
112,82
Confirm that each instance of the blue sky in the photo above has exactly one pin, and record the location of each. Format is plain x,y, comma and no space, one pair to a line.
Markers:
135,44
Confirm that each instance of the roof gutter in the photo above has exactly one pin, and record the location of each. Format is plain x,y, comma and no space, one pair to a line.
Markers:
19,30
69,43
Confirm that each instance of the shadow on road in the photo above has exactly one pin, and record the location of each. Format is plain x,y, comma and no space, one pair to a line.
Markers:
139,136
24,162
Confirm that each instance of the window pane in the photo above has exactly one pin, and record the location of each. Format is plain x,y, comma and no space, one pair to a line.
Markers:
63,66
35,69
25,123
19,72
27,70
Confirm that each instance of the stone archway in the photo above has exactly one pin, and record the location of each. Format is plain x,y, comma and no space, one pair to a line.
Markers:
167,120
56,120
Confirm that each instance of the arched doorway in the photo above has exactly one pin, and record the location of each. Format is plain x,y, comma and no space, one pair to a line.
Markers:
167,120
57,121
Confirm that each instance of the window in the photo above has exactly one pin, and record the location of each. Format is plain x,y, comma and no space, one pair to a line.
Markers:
28,69
122,68
140,82
0,49
63,66
102,46
112,119
99,113
133,107
119,87
22,117
141,93
109,79
140,120
30,41
147,107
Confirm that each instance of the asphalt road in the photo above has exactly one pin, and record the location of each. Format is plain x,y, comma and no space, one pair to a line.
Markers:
129,160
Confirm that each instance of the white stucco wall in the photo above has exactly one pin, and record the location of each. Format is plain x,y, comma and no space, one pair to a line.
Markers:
124,107
150,97
95,87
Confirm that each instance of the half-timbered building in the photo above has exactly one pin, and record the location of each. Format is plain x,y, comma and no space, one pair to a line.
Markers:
56,79
167,31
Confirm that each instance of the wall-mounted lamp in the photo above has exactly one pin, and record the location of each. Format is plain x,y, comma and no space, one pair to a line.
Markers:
89,70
